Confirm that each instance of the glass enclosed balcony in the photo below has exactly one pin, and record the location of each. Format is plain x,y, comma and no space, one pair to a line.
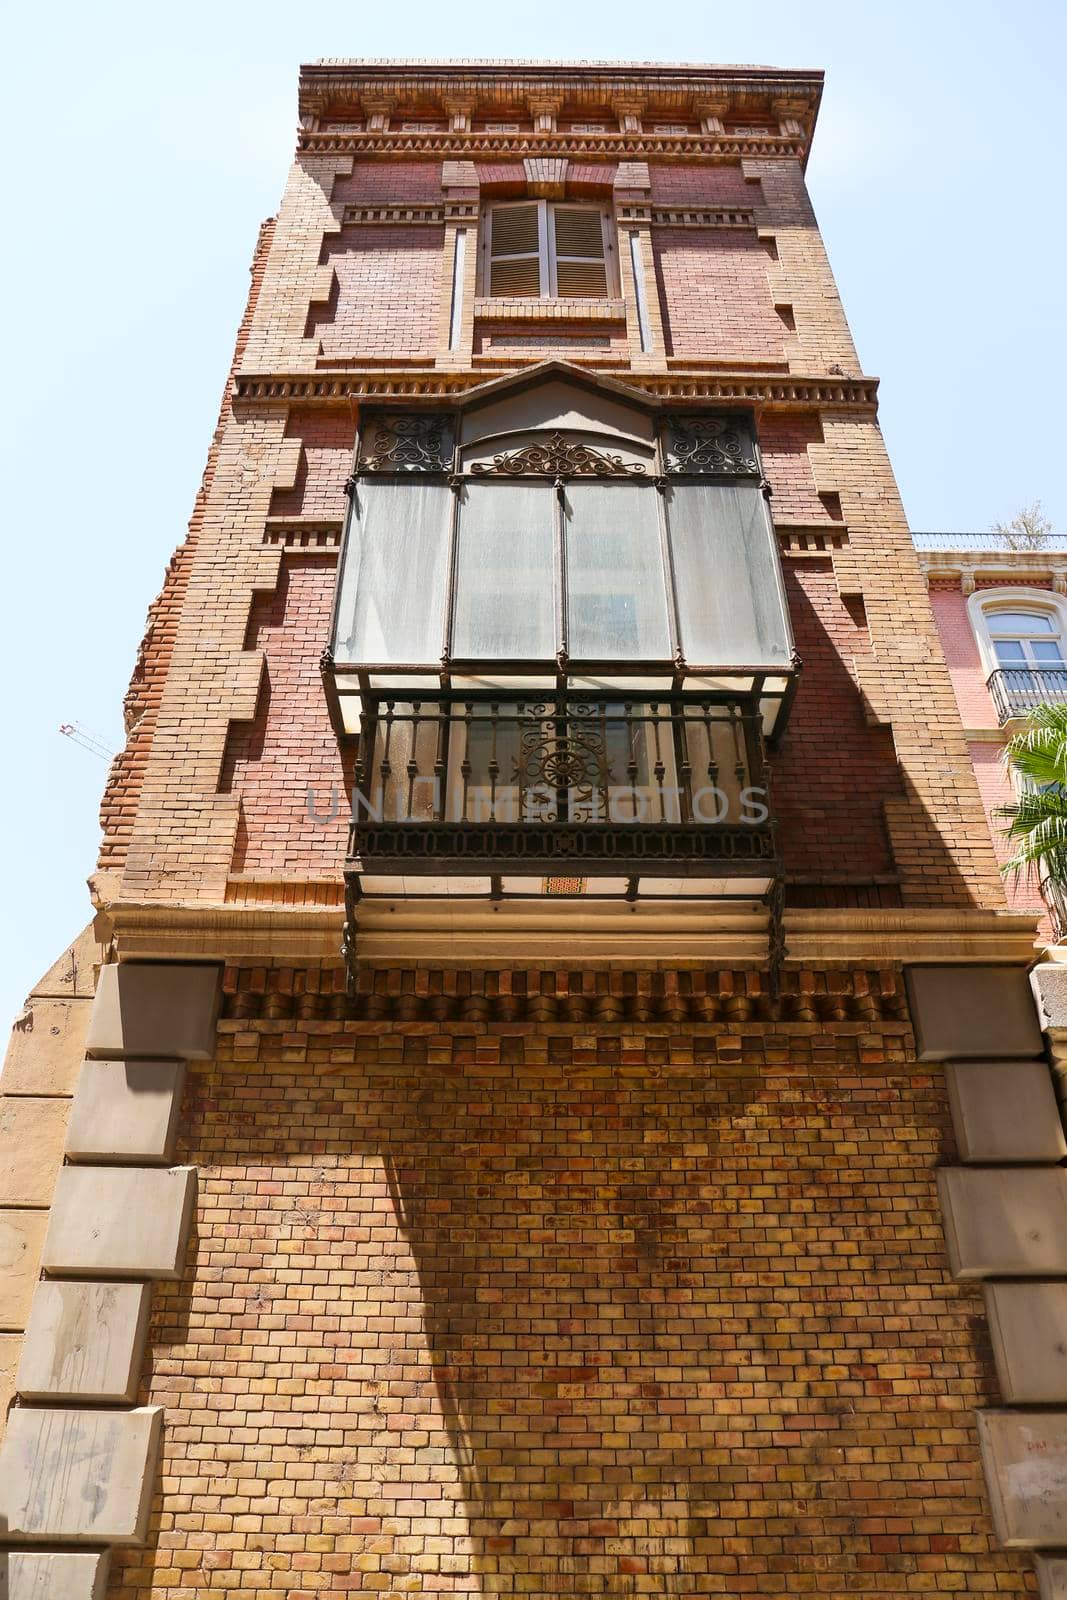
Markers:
561,643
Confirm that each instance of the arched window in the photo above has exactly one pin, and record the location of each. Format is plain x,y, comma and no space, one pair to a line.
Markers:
1022,639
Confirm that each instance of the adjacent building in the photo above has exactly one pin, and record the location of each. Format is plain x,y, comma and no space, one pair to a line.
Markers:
1001,613
552,1068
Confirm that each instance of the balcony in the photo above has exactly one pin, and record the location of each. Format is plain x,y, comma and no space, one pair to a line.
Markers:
1016,691
621,798
1056,905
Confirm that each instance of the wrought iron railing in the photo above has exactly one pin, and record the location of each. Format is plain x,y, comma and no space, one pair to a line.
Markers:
519,783
1056,905
1017,690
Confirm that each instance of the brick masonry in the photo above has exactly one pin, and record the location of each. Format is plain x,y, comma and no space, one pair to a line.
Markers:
502,1310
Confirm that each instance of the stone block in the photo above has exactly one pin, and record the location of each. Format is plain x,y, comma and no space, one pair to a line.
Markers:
21,1242
73,973
1004,1221
155,1009
979,1012
1028,1331
85,1342
10,1350
1005,1111
1052,1577
78,1477
47,1047
1049,984
126,1111
1024,1454
32,1131
55,1575
120,1222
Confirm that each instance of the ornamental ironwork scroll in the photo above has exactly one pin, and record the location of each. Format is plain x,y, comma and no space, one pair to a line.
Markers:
558,457
553,760
713,446
408,442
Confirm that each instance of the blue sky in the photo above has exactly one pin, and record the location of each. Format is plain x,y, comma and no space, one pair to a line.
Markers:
146,143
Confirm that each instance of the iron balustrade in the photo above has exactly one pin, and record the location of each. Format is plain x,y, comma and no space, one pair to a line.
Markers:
1056,905
1018,690
517,782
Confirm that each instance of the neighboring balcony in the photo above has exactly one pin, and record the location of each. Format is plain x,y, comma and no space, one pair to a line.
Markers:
477,794
1056,905
1016,691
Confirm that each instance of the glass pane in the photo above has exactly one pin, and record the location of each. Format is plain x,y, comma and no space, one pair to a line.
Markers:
1020,622
392,603
616,593
726,576
1009,651
1047,651
505,578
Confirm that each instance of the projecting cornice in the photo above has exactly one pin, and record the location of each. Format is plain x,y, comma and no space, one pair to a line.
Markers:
634,108
431,385
620,147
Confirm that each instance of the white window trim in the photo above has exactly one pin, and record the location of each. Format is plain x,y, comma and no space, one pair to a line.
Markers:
546,238
986,601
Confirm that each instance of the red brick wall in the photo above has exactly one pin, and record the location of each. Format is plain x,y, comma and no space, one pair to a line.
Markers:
498,1311
118,804
832,772
327,442
715,299
784,443
684,185
961,652
381,181
995,787
290,751
387,296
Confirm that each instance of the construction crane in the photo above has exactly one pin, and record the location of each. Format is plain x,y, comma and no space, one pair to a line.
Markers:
88,740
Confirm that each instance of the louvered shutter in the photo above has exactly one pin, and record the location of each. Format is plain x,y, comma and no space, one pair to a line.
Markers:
578,235
515,254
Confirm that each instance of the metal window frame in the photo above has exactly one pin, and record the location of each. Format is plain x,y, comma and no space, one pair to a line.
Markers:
560,671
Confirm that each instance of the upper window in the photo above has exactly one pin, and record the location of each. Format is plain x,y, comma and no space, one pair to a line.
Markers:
1024,638
540,248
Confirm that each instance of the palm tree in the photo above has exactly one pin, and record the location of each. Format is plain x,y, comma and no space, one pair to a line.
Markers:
1037,820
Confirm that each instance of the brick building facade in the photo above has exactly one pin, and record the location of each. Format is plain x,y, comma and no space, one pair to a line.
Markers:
1002,620
536,1191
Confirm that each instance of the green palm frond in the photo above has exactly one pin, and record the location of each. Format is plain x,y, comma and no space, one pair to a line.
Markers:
1037,821
1039,751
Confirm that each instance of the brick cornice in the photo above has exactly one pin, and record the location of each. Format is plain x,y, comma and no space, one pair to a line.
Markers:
414,386
338,87
700,996
605,146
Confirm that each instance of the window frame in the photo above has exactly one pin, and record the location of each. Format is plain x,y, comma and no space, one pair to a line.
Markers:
983,606
548,267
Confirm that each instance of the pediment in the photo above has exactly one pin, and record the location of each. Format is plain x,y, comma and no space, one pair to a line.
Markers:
557,398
